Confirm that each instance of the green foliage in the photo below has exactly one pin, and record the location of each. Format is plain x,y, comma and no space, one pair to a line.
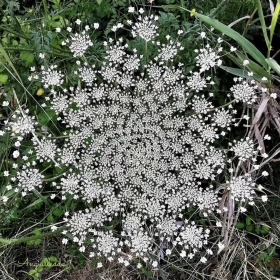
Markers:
27,58
45,264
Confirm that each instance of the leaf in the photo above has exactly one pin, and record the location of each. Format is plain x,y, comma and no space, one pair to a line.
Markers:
248,220
7,58
52,258
37,231
274,21
265,230
240,73
99,1
57,212
45,117
33,204
50,218
240,225
254,67
274,65
3,78
249,228
261,16
243,42
27,58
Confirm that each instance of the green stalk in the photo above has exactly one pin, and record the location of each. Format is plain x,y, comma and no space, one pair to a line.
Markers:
45,8
15,33
29,238
273,25
184,13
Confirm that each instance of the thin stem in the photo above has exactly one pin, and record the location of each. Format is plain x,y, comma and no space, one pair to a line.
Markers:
45,7
184,13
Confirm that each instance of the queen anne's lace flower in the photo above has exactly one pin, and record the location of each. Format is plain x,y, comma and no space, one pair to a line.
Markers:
241,188
223,118
196,82
105,244
193,237
22,124
79,43
51,77
207,58
244,149
139,147
87,74
46,149
28,179
244,92
145,27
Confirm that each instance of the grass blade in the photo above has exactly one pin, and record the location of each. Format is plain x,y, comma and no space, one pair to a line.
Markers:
274,20
254,67
274,65
261,16
8,60
240,73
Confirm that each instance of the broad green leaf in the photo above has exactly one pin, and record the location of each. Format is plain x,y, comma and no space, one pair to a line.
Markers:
274,65
261,16
27,58
243,42
99,1
240,73
3,78
274,21
254,67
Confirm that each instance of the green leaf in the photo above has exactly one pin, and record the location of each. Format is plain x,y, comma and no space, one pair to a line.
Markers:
37,231
265,230
50,218
274,65
27,58
260,12
274,21
248,220
8,60
99,1
3,78
240,225
57,212
249,228
45,117
33,204
254,67
32,272
243,42
52,259
240,73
